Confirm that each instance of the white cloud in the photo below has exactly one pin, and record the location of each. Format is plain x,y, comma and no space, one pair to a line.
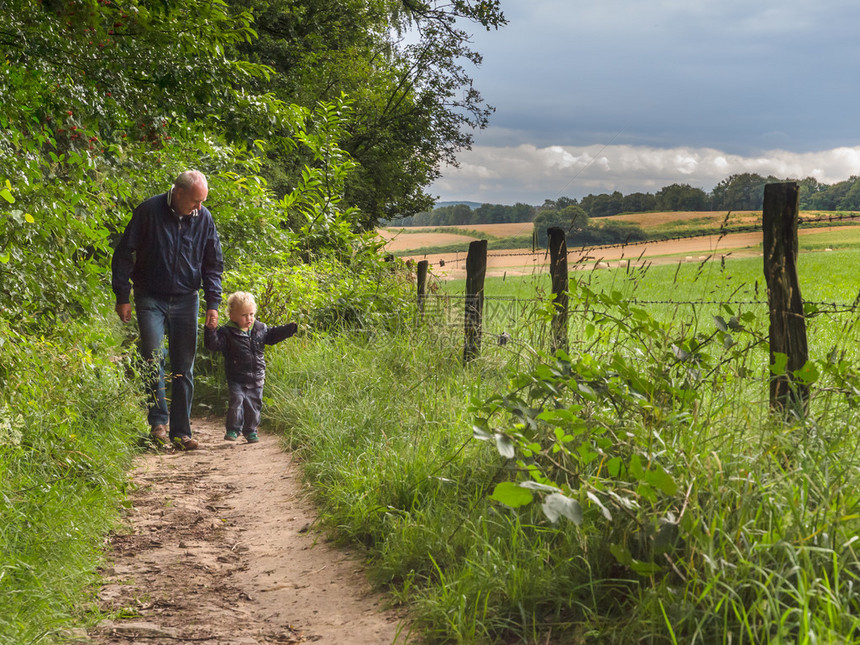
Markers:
529,174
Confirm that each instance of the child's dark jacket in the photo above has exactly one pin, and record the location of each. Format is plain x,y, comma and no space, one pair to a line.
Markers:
243,352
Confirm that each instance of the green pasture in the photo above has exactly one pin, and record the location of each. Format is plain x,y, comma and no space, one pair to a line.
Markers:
824,276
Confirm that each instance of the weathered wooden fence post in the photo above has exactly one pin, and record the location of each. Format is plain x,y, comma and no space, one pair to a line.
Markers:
787,333
476,271
422,285
558,271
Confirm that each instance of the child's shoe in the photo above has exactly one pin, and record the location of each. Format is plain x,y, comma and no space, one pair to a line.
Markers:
231,435
252,437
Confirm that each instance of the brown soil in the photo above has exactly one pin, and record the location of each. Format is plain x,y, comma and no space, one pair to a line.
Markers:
407,241
737,218
452,266
222,548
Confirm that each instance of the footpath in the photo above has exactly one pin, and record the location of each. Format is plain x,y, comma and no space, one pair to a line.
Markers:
221,548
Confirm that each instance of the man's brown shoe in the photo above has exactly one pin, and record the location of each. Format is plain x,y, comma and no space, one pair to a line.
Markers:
185,443
158,434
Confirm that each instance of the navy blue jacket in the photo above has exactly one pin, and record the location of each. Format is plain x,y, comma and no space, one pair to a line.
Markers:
243,353
167,255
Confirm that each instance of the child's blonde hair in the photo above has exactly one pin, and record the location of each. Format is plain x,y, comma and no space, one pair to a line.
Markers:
240,299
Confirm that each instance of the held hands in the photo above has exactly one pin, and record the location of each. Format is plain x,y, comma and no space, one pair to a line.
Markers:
211,318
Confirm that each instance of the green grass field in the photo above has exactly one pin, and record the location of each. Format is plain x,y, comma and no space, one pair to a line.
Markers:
684,512
824,276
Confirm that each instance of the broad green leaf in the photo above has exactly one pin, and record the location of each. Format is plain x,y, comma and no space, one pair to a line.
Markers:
533,485
721,324
600,505
613,466
29,218
510,494
780,361
645,568
635,466
622,554
810,308
544,371
560,415
586,392
661,480
586,454
556,505
639,314
480,433
505,446
680,353
807,374
6,194
645,491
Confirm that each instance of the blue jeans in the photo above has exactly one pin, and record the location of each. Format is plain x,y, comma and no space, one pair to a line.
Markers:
177,318
243,412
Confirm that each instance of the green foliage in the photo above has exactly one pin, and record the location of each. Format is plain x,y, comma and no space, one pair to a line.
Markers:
462,214
103,106
636,485
603,205
413,98
367,294
682,197
69,421
572,415
571,219
633,440
744,191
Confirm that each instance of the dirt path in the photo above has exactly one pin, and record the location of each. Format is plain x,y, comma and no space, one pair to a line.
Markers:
222,549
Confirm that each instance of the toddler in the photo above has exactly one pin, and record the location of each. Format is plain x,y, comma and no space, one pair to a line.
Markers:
241,341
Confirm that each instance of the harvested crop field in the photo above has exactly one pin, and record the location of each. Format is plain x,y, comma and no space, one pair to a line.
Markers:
496,230
407,241
452,266
736,218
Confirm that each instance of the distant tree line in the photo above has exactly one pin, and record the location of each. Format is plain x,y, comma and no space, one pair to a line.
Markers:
459,214
743,191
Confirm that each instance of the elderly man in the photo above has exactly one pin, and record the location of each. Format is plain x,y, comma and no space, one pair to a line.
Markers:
169,251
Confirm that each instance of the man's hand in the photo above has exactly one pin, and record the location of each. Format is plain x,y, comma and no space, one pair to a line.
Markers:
124,312
211,318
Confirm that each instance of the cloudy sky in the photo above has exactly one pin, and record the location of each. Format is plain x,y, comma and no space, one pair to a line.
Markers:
593,96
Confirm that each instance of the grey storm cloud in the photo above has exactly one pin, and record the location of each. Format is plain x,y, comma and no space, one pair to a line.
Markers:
627,95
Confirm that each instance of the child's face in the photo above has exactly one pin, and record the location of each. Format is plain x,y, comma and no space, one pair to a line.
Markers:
243,317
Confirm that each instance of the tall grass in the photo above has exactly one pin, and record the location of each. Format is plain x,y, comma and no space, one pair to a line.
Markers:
68,420
745,533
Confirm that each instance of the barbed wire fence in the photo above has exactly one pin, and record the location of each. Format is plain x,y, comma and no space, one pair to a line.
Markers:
499,316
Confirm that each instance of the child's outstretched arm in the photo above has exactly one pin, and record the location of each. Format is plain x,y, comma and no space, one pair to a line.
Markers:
279,333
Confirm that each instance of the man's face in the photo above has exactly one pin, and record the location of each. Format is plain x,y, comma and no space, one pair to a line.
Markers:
188,200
